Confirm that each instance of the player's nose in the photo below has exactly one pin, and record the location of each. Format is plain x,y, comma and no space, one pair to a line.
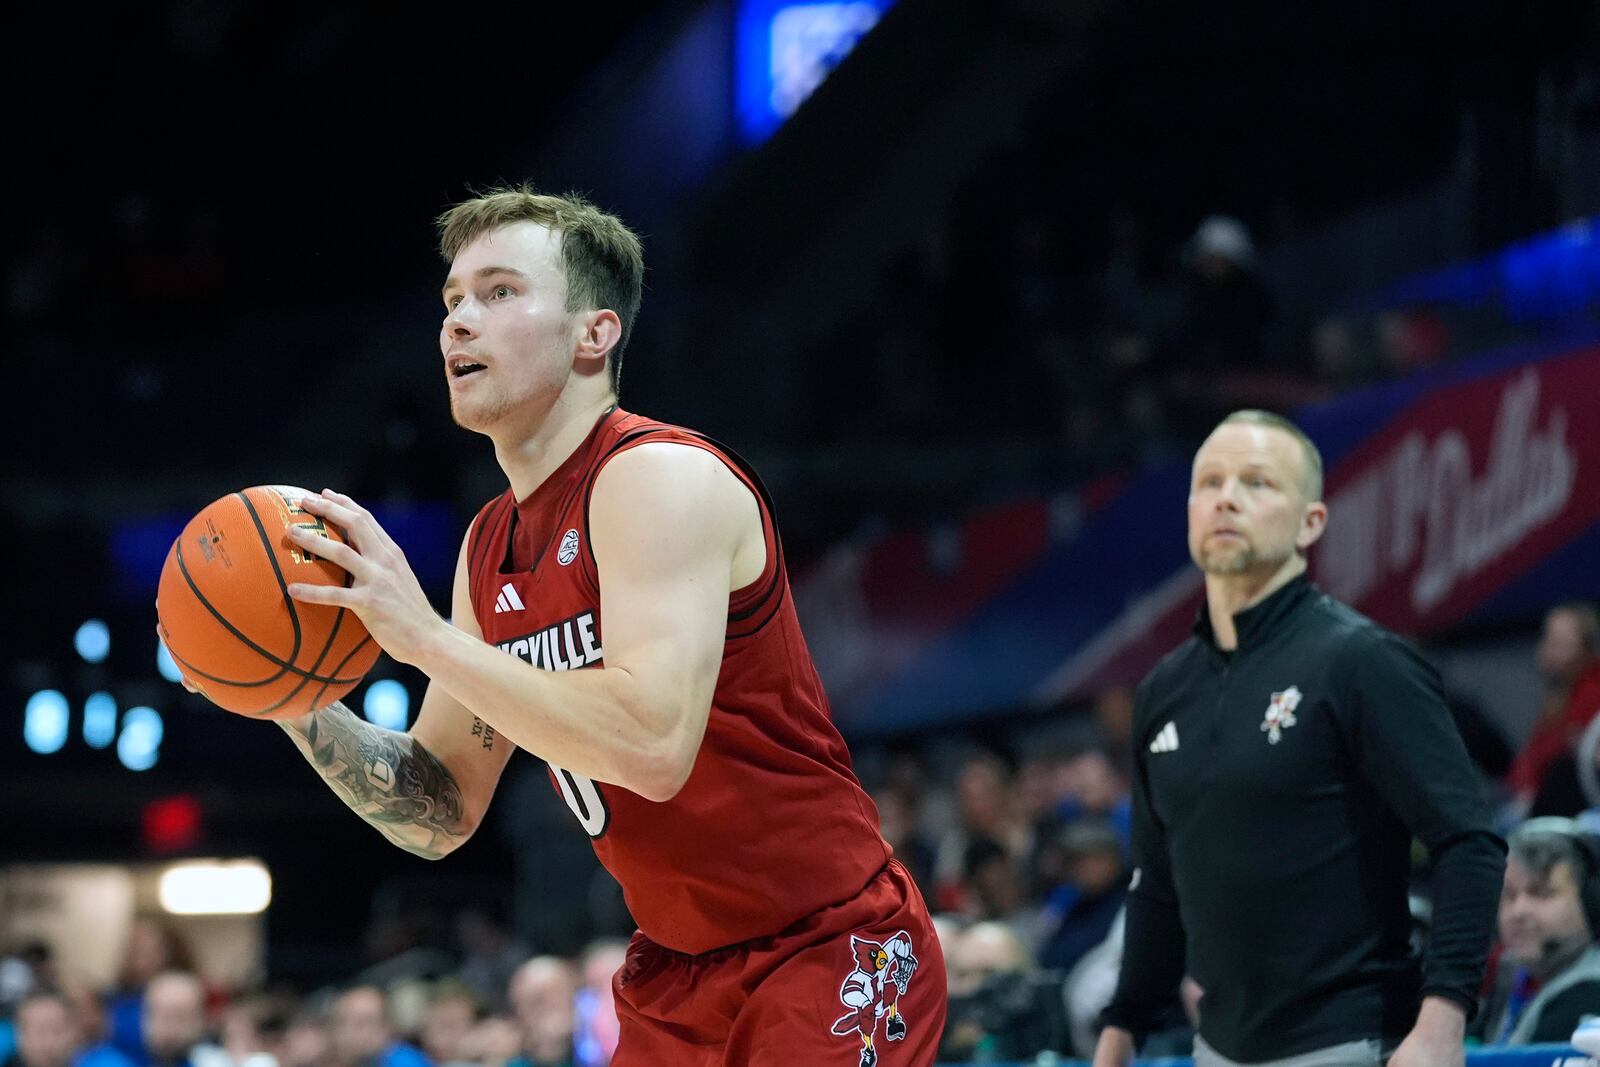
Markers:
460,323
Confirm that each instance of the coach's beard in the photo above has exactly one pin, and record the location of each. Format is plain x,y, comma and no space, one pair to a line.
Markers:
1241,560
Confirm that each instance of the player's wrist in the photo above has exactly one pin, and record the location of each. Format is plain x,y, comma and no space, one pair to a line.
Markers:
431,647
299,725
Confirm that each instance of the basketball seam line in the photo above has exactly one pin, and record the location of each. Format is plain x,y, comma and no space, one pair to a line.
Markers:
277,572
191,669
305,676
284,667
316,701
294,613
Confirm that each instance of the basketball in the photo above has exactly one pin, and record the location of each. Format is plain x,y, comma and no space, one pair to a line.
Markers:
227,618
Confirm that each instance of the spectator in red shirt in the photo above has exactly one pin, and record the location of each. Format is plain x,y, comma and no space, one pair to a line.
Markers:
1543,778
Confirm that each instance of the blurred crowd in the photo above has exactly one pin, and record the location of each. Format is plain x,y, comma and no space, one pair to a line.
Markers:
1101,363
503,1009
1023,855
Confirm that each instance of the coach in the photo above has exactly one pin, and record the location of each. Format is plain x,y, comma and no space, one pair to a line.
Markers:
1285,757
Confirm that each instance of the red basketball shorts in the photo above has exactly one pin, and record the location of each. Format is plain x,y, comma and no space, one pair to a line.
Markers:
859,984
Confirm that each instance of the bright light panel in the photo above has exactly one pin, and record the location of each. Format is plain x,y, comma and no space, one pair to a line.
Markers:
99,720
164,663
44,721
93,641
139,744
238,887
783,51
387,704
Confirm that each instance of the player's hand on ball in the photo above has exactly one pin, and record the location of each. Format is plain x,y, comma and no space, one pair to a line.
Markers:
234,633
383,591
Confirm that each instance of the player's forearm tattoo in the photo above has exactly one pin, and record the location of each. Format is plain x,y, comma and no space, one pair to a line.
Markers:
387,778
483,730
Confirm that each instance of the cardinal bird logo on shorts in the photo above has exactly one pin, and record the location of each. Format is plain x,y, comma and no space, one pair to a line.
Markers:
872,991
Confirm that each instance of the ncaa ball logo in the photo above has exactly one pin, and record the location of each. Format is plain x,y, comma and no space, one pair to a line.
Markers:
569,548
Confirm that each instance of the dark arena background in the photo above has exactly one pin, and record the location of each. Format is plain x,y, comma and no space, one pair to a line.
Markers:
966,282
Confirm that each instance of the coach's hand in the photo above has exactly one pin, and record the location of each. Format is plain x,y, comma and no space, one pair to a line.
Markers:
1438,1039
384,592
1114,1049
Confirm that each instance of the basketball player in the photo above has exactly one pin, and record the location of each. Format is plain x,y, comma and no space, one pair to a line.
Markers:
695,746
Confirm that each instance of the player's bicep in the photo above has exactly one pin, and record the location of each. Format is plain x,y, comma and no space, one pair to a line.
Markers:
469,748
667,521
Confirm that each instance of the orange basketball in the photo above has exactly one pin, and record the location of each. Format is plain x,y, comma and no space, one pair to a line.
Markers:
228,620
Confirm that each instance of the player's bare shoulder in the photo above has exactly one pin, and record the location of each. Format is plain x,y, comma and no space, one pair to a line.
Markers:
674,490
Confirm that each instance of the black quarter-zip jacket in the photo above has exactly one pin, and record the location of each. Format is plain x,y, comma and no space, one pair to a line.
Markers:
1277,791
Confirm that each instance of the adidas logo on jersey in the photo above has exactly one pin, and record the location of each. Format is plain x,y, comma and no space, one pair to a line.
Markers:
508,600
1166,740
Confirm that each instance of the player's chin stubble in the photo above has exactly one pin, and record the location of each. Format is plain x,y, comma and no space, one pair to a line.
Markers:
477,414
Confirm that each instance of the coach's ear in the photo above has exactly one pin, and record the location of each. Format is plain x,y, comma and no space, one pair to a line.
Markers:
599,332
1312,522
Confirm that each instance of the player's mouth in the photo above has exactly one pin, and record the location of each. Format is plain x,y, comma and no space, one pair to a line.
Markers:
462,366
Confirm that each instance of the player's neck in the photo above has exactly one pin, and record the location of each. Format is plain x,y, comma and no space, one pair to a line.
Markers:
530,458
1229,594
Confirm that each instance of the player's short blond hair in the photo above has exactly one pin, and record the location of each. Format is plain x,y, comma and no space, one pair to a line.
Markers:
1311,482
602,258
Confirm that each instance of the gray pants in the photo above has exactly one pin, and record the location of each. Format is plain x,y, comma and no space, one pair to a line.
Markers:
1347,1054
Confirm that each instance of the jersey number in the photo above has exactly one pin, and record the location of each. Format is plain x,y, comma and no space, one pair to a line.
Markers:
584,798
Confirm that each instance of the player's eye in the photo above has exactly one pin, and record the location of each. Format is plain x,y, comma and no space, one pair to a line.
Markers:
451,302
502,291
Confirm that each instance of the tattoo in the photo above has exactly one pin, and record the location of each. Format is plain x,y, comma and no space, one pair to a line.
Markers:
483,730
388,779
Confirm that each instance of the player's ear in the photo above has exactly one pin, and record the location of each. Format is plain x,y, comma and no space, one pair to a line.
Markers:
600,332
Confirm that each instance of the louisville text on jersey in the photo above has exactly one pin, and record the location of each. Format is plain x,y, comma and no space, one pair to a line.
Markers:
565,646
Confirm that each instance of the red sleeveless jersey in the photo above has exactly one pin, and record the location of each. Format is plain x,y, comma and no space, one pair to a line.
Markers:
772,824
